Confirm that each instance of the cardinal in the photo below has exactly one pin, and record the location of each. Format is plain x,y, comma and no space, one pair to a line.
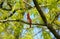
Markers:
29,19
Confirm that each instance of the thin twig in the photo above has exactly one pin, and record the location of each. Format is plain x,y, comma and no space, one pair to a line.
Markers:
37,33
27,4
55,18
34,6
57,24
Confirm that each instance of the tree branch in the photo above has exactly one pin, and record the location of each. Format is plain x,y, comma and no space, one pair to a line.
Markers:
49,26
10,14
3,21
53,31
37,33
57,0
55,18
27,3
34,6
57,24
40,11
5,8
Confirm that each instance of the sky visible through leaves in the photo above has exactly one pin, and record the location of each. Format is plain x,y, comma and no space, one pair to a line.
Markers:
37,32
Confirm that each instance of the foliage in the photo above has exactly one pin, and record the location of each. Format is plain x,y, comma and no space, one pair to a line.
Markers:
17,10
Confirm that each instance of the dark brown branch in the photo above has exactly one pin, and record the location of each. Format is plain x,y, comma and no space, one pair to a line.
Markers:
53,31
1,4
3,21
40,11
10,14
5,8
49,26
32,23
57,0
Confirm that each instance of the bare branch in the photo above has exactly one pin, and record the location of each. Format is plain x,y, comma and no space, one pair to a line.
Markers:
3,21
49,26
40,12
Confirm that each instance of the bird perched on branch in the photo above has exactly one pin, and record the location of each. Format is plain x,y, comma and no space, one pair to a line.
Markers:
29,19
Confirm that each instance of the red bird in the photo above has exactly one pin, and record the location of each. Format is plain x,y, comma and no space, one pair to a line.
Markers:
29,19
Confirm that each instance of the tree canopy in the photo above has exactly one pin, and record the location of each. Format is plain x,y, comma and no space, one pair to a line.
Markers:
44,19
